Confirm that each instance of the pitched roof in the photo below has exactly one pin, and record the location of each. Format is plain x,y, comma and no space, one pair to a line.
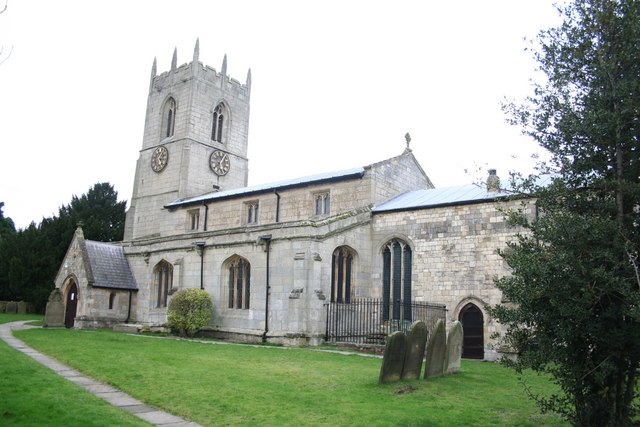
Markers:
109,266
450,196
263,188
436,197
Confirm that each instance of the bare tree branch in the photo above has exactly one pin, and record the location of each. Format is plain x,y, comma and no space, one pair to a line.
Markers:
2,60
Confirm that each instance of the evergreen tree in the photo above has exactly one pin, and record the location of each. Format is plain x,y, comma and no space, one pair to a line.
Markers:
30,258
7,231
6,224
574,291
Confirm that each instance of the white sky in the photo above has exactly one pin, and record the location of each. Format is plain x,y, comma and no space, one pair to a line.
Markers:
335,85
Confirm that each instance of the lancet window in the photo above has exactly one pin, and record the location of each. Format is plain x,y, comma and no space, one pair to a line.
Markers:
396,280
163,277
239,285
341,274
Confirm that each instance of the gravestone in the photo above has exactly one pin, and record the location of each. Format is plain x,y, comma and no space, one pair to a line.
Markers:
416,342
436,349
12,307
393,359
454,347
22,307
54,316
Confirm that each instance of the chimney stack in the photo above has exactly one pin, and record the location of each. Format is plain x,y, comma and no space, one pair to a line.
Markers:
493,182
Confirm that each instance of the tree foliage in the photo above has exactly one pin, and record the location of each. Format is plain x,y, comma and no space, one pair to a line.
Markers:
7,227
30,258
189,310
574,291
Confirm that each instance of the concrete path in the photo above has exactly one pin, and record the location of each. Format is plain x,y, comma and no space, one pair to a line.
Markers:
103,391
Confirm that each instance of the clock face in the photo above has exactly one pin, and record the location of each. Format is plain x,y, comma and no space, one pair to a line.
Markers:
219,162
159,158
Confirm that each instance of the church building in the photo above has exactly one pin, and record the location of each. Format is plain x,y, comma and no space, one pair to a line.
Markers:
275,257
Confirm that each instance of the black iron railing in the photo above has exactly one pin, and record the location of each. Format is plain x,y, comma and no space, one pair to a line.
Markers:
370,321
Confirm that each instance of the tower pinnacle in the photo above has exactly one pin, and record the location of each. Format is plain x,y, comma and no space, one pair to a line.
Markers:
174,60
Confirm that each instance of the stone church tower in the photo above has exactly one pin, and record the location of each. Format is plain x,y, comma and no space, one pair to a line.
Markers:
195,141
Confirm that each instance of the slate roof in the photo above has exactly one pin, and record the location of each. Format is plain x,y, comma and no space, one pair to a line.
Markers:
109,266
263,188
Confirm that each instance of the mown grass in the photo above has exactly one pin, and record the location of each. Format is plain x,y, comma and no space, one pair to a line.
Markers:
218,384
33,395
6,318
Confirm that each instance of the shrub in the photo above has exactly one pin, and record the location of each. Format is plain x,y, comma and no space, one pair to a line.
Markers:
189,310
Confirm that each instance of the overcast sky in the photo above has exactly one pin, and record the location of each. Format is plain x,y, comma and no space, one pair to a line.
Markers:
335,85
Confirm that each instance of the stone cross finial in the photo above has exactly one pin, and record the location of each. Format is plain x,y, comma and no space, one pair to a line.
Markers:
407,137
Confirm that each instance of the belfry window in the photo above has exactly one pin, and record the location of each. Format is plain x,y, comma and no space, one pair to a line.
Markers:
341,268
396,280
218,123
239,290
168,118
163,278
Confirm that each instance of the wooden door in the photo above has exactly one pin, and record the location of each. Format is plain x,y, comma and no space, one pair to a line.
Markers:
473,326
71,306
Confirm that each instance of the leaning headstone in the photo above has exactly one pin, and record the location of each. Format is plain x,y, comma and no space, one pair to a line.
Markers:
416,342
454,348
436,348
22,307
393,359
12,307
54,316
3,306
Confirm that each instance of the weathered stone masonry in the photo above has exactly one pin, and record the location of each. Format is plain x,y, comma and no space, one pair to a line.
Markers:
187,211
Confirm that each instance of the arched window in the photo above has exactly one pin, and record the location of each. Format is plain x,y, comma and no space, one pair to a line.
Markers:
239,290
341,268
112,299
396,280
168,118
163,279
219,116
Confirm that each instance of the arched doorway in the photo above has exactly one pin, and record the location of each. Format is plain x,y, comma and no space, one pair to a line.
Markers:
473,325
71,305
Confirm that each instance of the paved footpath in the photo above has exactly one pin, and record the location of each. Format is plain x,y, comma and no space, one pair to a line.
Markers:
103,391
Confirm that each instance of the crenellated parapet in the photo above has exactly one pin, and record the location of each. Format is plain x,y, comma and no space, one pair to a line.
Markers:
196,69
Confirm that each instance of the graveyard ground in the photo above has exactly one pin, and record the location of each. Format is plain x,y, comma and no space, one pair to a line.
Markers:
225,384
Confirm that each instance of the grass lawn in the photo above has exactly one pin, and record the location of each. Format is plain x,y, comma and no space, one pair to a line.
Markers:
217,384
33,395
6,318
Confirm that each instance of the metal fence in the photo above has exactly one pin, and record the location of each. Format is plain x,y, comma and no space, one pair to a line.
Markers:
370,321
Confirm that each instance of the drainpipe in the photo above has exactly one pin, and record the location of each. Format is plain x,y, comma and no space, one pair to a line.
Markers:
200,246
267,241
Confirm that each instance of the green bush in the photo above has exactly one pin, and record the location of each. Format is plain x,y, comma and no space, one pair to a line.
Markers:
189,310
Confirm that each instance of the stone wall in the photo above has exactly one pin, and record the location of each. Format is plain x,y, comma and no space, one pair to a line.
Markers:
93,303
455,255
